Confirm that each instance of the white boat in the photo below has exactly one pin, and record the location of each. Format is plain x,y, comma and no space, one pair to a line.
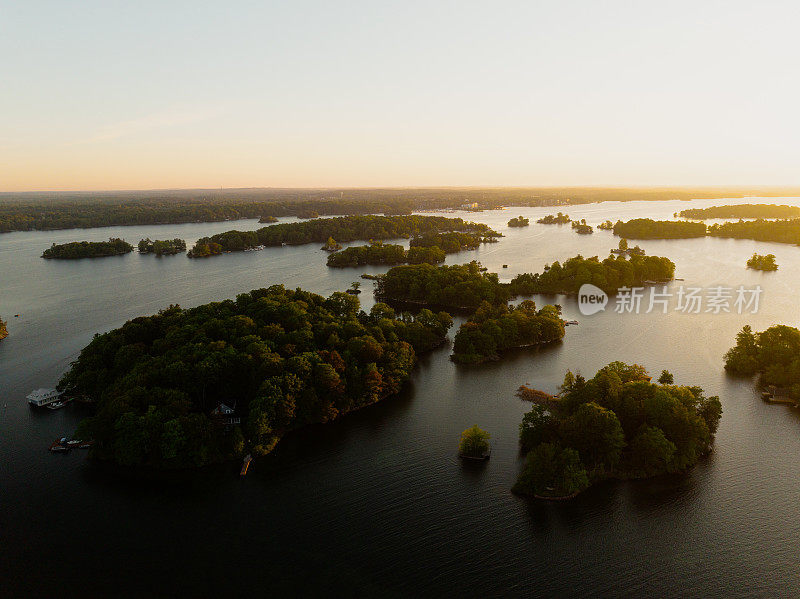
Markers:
43,397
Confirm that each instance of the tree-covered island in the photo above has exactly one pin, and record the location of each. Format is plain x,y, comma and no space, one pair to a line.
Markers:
609,275
159,247
759,262
582,228
647,228
460,287
88,249
379,253
3,329
778,231
520,221
773,354
616,425
342,229
554,219
190,387
491,330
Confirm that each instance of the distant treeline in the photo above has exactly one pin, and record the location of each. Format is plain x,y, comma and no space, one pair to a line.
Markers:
162,247
778,231
742,211
342,229
88,249
65,210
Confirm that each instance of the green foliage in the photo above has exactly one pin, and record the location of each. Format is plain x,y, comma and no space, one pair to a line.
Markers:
493,329
3,329
775,353
666,378
623,244
162,248
742,211
619,425
552,471
452,242
88,249
606,225
759,262
554,219
778,231
609,275
474,442
518,222
343,229
282,358
460,286
582,228
647,228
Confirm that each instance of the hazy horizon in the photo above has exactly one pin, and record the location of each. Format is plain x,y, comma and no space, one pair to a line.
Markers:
310,95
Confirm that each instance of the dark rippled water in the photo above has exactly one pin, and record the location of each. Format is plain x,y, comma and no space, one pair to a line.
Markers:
378,503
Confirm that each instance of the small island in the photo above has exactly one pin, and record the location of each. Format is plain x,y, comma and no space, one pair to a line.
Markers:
616,425
625,250
759,262
494,329
581,228
519,222
554,219
268,219
160,247
88,249
378,253
742,211
606,225
185,388
308,214
460,287
647,228
474,444
331,245
3,329
774,355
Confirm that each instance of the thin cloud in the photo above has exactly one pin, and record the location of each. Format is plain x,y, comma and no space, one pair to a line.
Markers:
153,122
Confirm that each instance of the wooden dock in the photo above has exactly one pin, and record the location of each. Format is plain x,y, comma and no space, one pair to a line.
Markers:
246,464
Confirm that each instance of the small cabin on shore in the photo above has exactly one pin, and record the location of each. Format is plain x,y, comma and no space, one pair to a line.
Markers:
225,414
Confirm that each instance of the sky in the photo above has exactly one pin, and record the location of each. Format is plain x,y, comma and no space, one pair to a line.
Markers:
172,94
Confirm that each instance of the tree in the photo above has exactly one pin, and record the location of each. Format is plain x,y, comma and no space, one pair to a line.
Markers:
623,244
597,435
666,378
569,382
474,442
552,471
651,452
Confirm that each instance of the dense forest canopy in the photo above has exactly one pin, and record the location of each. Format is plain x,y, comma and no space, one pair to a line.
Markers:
759,262
346,229
742,211
456,287
161,247
88,249
647,228
279,359
617,424
455,241
609,275
64,210
494,329
775,353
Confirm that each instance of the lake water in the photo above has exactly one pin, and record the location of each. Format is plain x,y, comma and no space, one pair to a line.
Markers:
378,504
